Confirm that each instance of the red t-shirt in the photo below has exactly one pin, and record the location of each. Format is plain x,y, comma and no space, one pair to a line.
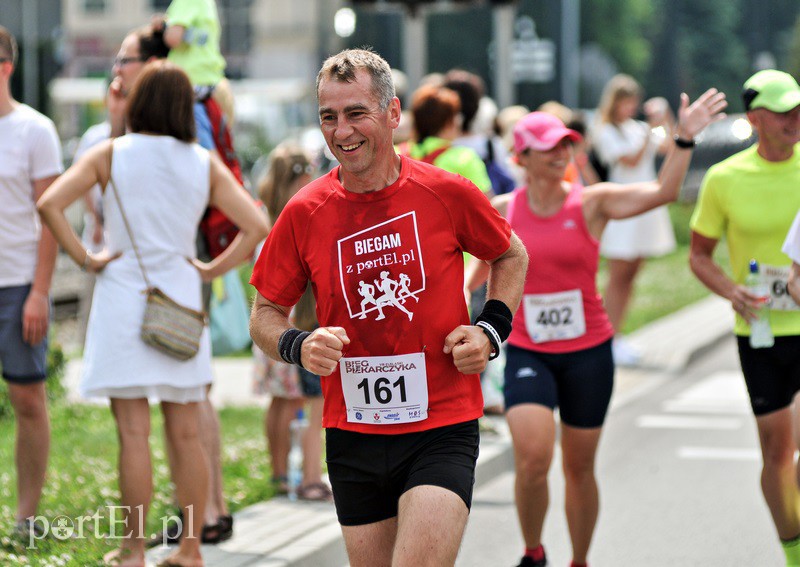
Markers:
560,294
388,267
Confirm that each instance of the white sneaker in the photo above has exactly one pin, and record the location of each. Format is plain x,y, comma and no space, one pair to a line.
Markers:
625,354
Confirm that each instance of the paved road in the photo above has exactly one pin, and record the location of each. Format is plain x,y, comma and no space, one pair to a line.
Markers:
679,478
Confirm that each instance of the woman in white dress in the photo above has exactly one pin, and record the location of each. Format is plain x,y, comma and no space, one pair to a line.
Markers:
164,181
628,148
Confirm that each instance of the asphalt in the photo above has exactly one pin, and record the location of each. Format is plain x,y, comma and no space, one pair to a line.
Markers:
306,534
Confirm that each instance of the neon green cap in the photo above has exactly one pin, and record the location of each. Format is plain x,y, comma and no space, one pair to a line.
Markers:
771,89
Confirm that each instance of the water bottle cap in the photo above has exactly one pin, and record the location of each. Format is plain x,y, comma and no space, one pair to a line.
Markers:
300,414
753,267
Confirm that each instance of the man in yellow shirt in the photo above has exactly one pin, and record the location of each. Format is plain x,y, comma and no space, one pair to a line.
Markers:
751,198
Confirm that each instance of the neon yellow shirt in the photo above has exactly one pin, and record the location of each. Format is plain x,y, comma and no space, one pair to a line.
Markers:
752,202
456,159
199,53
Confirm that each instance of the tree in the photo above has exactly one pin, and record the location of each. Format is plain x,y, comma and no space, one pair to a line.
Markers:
622,29
793,57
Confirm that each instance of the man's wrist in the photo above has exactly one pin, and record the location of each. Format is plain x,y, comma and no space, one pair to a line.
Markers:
495,320
290,344
45,293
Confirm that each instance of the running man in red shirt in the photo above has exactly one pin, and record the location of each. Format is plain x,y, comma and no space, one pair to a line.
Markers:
402,392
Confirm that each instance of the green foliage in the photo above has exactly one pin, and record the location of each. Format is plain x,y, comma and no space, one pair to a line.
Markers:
56,367
706,28
793,58
622,29
666,284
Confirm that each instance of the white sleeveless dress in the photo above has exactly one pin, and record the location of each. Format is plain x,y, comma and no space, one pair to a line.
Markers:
164,188
649,234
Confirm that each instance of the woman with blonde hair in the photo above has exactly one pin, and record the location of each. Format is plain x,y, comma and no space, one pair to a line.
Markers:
290,168
628,148
152,214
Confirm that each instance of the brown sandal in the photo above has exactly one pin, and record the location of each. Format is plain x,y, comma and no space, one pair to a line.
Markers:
315,492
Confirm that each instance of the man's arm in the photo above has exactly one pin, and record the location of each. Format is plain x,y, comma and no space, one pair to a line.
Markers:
320,350
793,284
701,261
36,310
507,275
469,344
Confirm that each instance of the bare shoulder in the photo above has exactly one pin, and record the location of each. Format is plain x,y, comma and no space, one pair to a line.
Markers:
500,202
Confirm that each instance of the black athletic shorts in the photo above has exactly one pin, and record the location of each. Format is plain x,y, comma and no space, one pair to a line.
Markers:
369,473
578,383
772,374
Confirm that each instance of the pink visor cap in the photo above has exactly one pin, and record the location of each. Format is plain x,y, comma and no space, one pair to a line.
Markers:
541,131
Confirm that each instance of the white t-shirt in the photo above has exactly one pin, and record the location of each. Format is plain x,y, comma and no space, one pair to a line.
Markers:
29,151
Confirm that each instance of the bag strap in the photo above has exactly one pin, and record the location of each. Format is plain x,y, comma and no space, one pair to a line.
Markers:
431,157
489,151
125,218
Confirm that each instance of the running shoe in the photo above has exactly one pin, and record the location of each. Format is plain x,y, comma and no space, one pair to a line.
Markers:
528,561
625,354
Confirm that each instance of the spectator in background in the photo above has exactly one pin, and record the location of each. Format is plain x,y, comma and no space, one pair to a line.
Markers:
507,118
163,204
289,169
191,30
628,148
30,160
436,111
478,113
92,235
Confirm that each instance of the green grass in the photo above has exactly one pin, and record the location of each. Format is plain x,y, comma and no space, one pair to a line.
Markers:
666,284
82,478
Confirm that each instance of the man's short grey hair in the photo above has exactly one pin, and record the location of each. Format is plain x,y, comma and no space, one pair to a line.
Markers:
343,67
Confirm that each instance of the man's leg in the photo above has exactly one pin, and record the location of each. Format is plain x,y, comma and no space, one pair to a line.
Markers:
429,539
533,433
33,444
582,502
778,477
371,545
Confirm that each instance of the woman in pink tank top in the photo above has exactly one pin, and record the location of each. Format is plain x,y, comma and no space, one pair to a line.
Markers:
559,352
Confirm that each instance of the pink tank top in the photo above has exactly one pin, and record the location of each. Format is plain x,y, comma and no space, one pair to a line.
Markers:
561,310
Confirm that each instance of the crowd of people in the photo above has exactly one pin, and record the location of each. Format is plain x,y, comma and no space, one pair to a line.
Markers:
386,285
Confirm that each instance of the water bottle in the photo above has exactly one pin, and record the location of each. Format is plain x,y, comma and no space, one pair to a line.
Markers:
295,476
760,331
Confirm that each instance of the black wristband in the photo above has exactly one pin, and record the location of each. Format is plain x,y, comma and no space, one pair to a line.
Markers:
495,321
683,143
289,345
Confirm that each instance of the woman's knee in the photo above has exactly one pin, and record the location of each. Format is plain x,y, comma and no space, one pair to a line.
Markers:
533,461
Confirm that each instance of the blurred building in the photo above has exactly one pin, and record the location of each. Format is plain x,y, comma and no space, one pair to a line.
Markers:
261,39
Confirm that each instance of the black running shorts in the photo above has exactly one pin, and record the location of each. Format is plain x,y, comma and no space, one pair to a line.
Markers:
369,473
578,383
772,374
